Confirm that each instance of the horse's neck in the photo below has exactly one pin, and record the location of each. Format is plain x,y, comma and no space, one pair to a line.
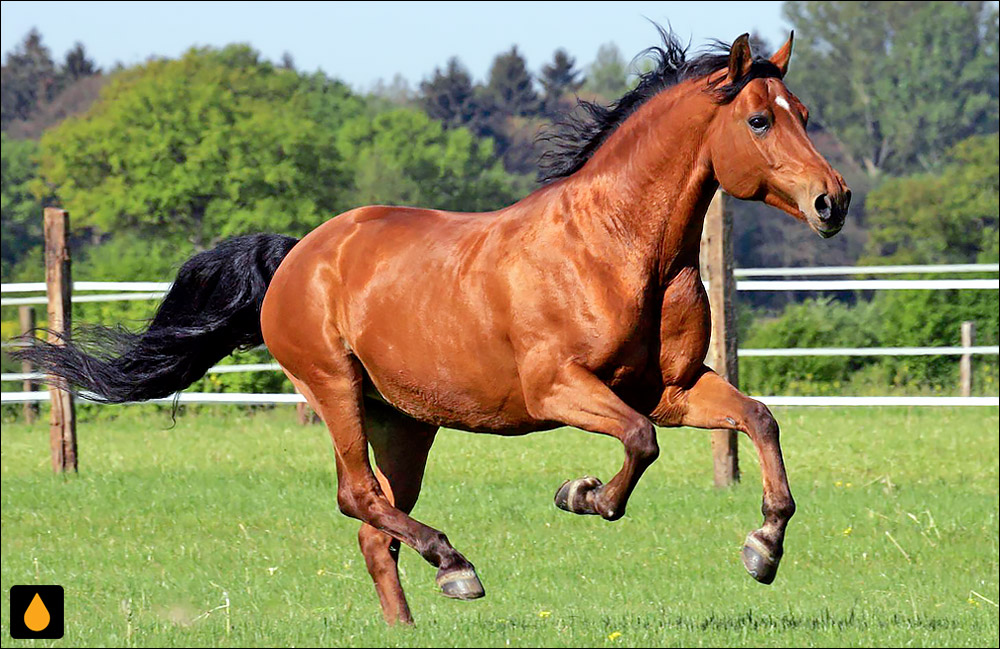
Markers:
648,187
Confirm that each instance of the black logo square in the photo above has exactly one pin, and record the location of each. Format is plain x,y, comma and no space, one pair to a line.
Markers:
36,612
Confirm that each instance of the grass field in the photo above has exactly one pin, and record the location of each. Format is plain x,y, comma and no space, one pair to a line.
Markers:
895,541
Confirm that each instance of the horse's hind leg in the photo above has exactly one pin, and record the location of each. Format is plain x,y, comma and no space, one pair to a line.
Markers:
400,445
335,392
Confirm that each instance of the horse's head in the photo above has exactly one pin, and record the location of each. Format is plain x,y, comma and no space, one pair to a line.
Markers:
759,146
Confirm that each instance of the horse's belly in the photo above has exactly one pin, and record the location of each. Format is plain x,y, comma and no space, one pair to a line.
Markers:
438,378
453,398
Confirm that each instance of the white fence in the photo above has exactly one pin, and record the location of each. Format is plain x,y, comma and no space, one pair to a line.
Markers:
129,291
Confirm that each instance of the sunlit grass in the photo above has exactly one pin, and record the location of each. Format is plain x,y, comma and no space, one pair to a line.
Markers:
895,541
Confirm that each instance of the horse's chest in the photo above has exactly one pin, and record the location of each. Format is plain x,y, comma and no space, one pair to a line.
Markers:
665,342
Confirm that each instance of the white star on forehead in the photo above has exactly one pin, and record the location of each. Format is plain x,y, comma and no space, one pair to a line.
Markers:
781,101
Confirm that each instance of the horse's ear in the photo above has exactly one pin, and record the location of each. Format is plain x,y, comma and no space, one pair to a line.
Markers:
740,58
781,57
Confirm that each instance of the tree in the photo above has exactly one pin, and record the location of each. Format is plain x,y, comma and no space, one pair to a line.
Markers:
607,77
403,157
394,94
214,144
29,78
948,216
897,82
74,99
511,90
448,96
76,66
559,79
20,212
34,90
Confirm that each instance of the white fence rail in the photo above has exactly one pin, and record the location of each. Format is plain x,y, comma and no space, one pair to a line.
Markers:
128,291
866,284
39,287
932,269
743,285
790,271
872,351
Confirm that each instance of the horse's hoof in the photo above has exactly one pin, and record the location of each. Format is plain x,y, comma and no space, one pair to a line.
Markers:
460,584
572,495
760,562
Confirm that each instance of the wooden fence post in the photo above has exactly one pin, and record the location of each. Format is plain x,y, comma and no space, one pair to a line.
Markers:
965,365
26,317
59,286
717,270
302,412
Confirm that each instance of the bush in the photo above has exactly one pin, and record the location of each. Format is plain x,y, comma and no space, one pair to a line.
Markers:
890,319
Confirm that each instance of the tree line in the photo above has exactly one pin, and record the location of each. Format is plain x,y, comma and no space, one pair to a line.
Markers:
221,141
158,160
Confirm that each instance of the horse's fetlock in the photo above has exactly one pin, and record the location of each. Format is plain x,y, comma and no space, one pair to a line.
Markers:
781,511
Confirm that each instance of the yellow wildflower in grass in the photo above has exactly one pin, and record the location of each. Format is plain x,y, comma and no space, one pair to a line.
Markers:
544,614
614,636
847,532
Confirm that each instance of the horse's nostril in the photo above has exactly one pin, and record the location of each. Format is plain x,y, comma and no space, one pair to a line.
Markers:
823,207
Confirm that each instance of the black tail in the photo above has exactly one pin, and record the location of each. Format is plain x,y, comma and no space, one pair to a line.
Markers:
212,308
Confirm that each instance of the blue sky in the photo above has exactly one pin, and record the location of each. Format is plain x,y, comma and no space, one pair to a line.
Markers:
361,42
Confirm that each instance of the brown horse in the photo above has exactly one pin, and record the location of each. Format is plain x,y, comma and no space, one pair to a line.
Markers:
580,305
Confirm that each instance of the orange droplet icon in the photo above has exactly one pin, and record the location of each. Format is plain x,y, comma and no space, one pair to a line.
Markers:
37,616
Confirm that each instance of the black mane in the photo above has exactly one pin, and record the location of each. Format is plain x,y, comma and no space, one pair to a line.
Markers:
574,139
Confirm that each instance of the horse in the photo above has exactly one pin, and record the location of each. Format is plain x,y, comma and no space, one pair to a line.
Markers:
579,305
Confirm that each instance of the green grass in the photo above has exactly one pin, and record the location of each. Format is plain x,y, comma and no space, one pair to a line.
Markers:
160,523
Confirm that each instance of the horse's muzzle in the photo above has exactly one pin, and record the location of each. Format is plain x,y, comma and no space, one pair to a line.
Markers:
830,213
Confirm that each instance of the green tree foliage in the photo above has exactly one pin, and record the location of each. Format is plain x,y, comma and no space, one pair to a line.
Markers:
214,144
607,76
403,157
20,212
558,79
511,90
897,82
944,217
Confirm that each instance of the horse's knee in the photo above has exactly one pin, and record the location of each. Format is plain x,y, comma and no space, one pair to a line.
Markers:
760,423
640,441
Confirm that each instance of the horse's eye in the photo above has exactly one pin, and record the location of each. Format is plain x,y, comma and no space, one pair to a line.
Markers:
759,123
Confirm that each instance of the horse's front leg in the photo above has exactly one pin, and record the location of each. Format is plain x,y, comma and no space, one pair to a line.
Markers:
576,397
711,402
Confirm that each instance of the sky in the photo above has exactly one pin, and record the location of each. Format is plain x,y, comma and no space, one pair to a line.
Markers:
362,42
